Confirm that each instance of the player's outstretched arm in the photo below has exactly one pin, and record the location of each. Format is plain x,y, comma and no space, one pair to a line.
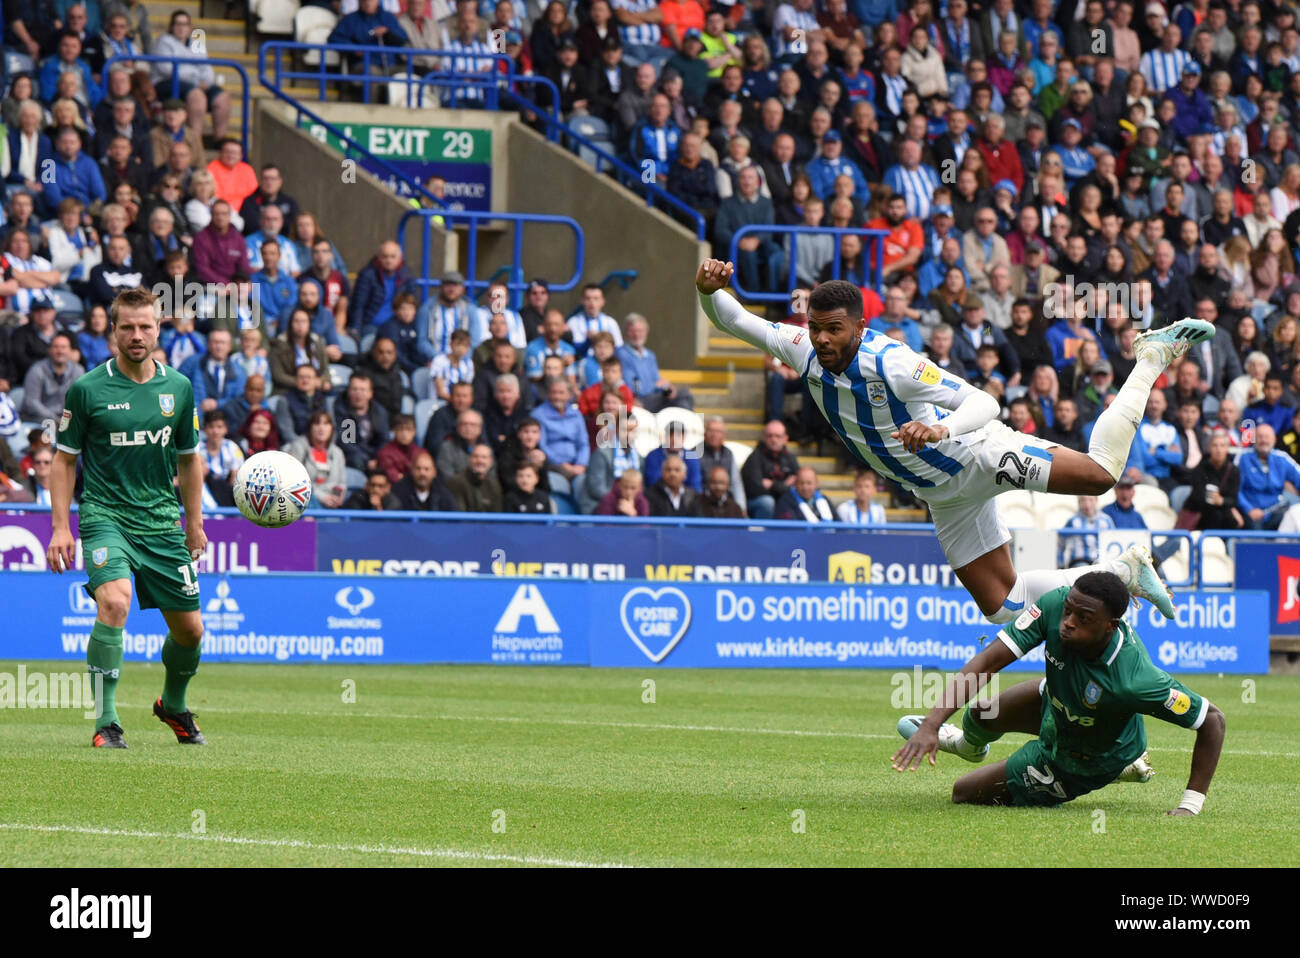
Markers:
63,477
963,687
790,344
190,471
1205,760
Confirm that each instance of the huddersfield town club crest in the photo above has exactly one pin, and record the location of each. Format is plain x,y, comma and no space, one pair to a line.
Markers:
167,402
876,394
99,557
1092,695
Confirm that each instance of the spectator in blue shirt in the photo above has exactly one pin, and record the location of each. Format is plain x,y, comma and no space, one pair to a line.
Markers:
1265,476
674,444
823,170
641,370
1076,162
1160,438
895,317
656,139
368,26
277,291
216,377
75,174
550,343
1270,409
1122,512
1083,549
69,58
565,442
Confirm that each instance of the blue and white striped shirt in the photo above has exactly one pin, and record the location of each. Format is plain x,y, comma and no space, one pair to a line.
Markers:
581,326
453,371
916,186
1163,70
644,34
886,386
470,57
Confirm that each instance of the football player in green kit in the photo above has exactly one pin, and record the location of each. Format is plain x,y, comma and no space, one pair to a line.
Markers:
133,421
1087,712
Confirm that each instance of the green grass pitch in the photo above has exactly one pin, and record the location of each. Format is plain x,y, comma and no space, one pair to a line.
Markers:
458,765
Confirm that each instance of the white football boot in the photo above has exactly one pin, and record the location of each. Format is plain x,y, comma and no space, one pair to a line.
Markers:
1139,771
1136,567
951,739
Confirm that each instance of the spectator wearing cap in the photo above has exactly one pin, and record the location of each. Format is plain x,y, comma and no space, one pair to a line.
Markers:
983,249
30,342
609,77
689,64
173,129
444,314
941,228
1162,67
823,170
1076,162
640,29
1194,109
1123,514
378,282
570,78
975,331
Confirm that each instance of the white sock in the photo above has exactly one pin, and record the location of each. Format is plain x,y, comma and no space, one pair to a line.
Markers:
1041,581
1112,436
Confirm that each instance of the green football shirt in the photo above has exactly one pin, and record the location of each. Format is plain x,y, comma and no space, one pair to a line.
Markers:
129,435
1094,724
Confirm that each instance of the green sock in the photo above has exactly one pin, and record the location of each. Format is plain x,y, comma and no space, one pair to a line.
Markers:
975,733
104,659
181,663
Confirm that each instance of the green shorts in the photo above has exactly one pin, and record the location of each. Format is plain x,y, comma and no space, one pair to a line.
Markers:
165,576
1035,778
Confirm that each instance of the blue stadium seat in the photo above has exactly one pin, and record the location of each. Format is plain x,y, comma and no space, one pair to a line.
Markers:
422,383
339,375
348,345
408,405
355,478
18,444
16,396
367,340
424,410
16,62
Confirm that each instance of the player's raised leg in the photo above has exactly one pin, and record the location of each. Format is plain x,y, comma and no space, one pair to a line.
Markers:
180,658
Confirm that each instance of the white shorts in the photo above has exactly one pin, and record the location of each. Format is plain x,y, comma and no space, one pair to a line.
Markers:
965,515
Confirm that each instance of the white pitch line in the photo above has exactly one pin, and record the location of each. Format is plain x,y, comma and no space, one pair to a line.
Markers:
647,726
449,853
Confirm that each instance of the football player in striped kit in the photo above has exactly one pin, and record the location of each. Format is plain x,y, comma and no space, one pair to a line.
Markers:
940,438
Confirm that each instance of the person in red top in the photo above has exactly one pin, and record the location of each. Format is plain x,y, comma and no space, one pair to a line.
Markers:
678,17
905,241
611,377
1000,155
397,455
234,178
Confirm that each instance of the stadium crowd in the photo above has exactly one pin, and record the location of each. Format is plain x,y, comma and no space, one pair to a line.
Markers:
1049,178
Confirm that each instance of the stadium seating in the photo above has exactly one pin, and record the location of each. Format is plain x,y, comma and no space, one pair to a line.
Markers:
274,17
740,450
313,25
1054,511
348,345
354,479
339,376
424,410
1018,509
422,383
692,422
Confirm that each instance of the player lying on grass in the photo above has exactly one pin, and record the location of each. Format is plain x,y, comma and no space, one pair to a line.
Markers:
1087,712
882,400
133,422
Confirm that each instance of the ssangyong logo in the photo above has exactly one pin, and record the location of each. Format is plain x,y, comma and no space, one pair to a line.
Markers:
356,599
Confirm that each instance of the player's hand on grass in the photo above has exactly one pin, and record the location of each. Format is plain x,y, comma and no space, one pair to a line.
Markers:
62,550
925,742
916,435
714,275
196,541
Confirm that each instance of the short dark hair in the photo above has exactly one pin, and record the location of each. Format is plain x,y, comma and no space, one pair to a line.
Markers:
403,419
1274,377
213,415
1108,587
64,334
528,421
836,294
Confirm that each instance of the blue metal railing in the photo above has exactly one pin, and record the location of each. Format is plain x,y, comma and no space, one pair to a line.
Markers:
516,284
873,240
176,79
623,277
